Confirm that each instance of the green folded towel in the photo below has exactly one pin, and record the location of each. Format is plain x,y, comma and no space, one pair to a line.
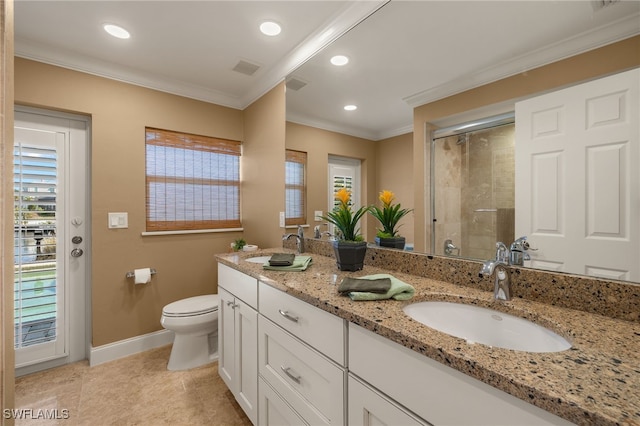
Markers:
399,290
282,259
300,263
379,285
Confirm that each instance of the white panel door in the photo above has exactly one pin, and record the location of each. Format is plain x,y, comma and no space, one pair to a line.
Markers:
577,177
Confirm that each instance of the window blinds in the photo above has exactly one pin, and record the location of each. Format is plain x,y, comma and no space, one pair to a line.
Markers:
35,186
192,182
295,187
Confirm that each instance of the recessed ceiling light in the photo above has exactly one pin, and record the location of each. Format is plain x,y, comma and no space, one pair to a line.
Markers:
339,60
116,31
270,28
350,107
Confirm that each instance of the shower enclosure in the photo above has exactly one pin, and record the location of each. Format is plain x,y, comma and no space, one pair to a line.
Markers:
473,188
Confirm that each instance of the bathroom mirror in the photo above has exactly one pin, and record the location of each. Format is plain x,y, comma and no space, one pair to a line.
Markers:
408,54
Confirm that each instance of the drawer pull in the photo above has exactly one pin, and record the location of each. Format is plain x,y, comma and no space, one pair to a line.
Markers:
287,316
291,376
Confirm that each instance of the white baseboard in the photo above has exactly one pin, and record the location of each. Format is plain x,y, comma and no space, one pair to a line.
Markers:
134,345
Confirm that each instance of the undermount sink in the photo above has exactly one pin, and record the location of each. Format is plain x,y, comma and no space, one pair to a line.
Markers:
258,259
486,326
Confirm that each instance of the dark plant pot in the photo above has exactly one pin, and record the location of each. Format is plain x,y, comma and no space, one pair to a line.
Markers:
393,242
350,254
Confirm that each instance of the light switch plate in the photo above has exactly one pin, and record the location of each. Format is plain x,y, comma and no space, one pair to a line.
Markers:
118,220
316,215
281,219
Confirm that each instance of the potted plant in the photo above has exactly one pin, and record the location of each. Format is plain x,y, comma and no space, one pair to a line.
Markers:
388,216
349,246
238,244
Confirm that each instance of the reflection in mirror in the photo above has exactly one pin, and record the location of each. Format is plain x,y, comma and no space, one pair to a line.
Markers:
473,189
395,83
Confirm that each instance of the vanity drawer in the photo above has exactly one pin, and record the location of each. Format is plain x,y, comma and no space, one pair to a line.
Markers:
312,384
320,329
243,286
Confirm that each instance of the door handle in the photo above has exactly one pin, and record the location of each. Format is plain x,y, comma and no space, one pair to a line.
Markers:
76,252
76,239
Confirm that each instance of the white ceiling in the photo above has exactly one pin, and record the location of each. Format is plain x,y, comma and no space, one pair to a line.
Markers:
405,54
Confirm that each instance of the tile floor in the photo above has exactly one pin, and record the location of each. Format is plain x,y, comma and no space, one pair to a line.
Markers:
136,390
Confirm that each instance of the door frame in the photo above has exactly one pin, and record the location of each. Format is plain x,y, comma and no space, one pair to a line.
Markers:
78,347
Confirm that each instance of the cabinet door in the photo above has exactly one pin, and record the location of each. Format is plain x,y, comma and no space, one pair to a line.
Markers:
274,411
368,408
246,359
226,338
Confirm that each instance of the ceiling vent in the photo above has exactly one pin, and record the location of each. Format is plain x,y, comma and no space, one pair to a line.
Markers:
246,68
295,84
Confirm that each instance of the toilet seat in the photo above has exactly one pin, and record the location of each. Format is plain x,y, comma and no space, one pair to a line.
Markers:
192,306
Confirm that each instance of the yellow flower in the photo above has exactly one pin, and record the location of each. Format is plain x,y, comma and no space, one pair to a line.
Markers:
343,195
386,197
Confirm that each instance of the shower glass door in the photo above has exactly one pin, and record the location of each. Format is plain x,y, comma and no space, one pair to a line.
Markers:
473,191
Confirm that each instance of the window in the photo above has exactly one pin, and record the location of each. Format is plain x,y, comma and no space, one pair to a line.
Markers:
295,187
193,182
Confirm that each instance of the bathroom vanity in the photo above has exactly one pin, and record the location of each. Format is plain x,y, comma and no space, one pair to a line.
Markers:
325,359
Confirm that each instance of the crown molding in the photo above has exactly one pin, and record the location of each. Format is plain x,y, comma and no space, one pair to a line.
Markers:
67,59
332,127
616,31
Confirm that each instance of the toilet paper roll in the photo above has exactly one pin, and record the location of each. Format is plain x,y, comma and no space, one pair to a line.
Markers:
142,276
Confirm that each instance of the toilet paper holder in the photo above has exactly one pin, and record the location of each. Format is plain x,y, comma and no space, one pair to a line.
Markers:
132,274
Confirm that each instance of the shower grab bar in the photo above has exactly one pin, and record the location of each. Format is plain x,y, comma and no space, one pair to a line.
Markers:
485,210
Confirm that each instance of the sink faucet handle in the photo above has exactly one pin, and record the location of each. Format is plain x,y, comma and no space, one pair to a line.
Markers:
502,252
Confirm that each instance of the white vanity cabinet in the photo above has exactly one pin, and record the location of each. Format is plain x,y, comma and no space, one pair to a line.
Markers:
238,337
436,393
301,361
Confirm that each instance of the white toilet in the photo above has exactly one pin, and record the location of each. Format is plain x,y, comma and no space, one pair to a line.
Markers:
195,323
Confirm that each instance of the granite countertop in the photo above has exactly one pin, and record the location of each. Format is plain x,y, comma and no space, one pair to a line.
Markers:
597,381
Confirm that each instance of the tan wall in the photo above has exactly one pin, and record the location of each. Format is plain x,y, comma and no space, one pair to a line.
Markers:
394,172
7,362
263,169
596,63
119,113
319,144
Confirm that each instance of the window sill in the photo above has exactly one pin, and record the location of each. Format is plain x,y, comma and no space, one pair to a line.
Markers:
296,226
193,231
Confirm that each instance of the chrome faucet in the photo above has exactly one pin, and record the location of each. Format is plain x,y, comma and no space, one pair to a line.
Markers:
518,251
318,235
300,239
499,266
